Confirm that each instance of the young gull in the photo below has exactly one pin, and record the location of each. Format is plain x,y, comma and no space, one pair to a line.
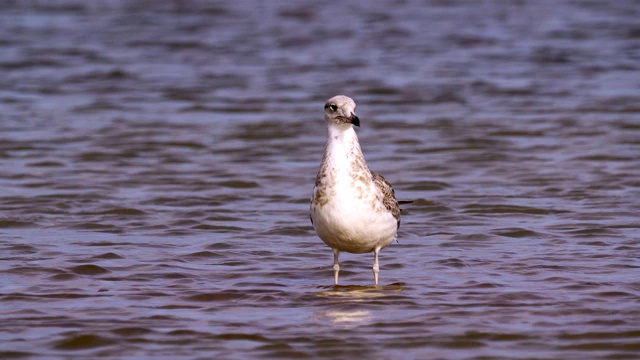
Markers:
353,209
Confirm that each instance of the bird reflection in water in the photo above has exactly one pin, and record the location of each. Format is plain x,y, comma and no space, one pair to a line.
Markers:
344,313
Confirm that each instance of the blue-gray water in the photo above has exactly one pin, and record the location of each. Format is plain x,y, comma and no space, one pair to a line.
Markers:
157,159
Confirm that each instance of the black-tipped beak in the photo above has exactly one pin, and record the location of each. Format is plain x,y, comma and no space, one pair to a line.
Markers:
354,119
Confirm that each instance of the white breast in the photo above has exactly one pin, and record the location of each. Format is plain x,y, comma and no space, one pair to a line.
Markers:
347,209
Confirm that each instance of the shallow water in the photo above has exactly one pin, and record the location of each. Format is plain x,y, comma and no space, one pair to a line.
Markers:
157,162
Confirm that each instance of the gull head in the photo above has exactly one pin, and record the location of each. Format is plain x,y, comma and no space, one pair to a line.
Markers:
341,109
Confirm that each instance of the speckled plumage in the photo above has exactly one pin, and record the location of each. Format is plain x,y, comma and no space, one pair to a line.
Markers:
352,208
389,199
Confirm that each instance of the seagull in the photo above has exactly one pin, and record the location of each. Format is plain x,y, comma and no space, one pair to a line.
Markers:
352,209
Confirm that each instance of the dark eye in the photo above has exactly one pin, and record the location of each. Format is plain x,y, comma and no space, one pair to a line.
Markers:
333,107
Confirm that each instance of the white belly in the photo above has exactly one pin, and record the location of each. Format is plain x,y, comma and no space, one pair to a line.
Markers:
354,223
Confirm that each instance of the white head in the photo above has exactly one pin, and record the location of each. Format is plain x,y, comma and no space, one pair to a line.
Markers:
341,109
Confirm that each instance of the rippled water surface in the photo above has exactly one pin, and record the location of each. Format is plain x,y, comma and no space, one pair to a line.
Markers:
157,159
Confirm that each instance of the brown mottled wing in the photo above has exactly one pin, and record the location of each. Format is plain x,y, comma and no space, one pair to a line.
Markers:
389,199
